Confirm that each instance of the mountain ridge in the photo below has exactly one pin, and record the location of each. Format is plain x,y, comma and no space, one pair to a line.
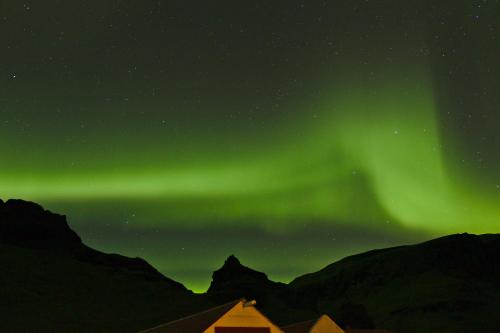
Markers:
455,284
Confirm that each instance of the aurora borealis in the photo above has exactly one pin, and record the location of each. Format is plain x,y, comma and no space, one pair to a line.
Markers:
288,133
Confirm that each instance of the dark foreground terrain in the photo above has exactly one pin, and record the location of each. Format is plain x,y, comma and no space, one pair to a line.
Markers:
51,282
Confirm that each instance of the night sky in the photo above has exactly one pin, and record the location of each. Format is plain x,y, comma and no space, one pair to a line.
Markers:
290,133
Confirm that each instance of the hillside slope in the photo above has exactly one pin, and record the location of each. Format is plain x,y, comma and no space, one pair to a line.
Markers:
51,282
449,284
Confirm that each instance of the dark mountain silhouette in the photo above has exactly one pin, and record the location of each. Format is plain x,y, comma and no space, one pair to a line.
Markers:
233,281
279,301
51,282
28,224
450,284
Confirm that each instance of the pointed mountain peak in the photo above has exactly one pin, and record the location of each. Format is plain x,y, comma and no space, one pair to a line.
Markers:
234,275
232,261
233,267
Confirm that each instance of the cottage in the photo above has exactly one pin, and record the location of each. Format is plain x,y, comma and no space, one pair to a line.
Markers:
322,325
235,317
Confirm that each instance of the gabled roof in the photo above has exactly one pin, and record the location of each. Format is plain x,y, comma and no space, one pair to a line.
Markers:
196,323
302,327
311,325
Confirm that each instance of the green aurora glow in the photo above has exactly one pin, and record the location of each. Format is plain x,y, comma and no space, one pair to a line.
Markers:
310,177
